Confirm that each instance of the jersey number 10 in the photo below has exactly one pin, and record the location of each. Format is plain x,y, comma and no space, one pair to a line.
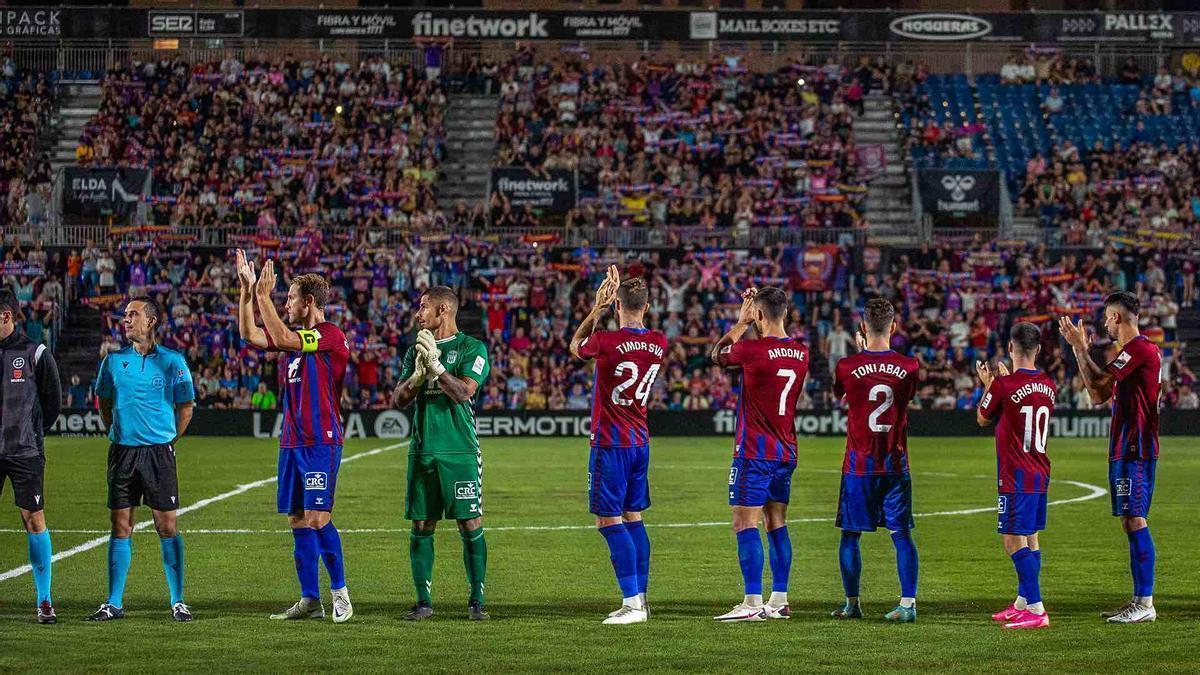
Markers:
1037,428
642,393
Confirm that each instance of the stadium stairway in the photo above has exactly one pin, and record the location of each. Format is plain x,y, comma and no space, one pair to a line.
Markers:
889,202
79,345
1188,332
79,102
470,137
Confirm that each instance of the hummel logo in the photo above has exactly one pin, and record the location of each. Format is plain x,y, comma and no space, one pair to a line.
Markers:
124,365
37,499
958,186
172,499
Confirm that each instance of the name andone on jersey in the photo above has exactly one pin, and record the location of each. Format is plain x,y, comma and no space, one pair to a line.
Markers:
773,373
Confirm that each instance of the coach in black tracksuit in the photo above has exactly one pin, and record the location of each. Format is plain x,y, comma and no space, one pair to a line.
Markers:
30,398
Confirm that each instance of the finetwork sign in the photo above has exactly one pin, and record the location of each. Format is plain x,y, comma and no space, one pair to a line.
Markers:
425,24
532,185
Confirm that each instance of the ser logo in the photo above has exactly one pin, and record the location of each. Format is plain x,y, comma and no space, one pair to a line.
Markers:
466,489
172,23
315,480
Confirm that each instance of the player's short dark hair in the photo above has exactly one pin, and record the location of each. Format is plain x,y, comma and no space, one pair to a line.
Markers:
773,302
9,302
440,294
314,285
150,308
879,316
1026,337
633,294
1127,301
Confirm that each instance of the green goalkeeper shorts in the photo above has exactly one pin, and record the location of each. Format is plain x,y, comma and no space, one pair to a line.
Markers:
446,487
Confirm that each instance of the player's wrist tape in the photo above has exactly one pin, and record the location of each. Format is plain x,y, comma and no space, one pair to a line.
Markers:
436,368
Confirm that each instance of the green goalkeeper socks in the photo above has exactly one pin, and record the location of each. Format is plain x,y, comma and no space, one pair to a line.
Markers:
475,561
420,553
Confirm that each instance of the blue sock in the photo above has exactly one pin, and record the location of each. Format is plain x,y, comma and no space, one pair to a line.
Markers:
641,545
850,560
750,556
172,556
40,556
1028,585
781,558
906,563
1141,551
120,554
330,543
306,554
623,556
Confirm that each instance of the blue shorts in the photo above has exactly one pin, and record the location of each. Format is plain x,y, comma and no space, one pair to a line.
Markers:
1131,484
754,482
868,502
1022,513
307,478
617,480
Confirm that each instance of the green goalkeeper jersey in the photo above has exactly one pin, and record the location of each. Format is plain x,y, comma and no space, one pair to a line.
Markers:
441,426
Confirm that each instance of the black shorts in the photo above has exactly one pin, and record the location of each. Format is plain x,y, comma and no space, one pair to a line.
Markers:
27,475
143,474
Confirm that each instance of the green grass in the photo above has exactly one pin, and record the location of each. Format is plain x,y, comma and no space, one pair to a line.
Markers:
548,589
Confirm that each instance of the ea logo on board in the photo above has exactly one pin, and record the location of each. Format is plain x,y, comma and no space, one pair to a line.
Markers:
392,424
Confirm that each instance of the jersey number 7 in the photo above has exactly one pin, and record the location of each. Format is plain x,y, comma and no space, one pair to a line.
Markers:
642,393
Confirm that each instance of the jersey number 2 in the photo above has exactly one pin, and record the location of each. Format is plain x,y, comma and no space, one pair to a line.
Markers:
880,390
642,393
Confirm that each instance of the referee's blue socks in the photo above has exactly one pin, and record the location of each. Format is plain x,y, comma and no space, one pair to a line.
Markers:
172,558
120,553
40,556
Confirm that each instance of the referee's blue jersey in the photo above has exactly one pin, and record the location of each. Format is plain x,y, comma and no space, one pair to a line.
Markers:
144,391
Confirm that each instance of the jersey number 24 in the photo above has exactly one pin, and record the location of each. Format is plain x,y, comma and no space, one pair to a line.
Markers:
642,393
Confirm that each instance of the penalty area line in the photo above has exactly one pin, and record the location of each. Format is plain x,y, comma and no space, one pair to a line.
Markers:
146,524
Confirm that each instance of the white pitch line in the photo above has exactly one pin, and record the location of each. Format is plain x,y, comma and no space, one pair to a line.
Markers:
1094,492
143,525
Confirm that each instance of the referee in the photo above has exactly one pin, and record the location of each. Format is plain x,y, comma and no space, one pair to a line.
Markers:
146,395
30,397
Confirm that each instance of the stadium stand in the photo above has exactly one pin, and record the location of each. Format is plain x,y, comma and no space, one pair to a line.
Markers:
264,156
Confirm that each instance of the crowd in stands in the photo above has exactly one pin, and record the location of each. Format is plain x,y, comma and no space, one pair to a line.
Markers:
280,151
715,143
954,306
275,144
26,109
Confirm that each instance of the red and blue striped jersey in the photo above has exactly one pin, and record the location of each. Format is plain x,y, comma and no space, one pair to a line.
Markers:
1134,431
627,362
311,380
773,372
1021,404
877,387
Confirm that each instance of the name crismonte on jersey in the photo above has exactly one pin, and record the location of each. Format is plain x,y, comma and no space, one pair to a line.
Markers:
441,426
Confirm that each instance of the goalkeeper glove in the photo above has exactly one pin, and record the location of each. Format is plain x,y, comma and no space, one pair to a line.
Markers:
427,347
420,372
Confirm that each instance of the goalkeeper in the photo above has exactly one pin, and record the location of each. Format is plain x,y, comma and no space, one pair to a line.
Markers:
441,374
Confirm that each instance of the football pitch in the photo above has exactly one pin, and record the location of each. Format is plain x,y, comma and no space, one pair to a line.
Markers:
550,582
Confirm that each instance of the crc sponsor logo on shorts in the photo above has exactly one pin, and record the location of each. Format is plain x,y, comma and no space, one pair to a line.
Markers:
315,480
1124,487
1002,505
466,489
733,475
